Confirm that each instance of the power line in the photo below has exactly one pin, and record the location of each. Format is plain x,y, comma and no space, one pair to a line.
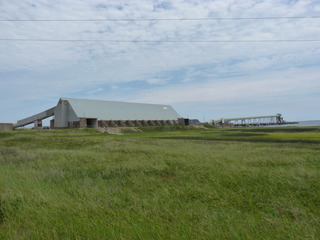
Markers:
155,19
158,41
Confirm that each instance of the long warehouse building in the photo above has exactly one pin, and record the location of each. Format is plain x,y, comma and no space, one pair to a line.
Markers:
87,113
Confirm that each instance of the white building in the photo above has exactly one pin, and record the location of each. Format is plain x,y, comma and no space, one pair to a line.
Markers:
82,113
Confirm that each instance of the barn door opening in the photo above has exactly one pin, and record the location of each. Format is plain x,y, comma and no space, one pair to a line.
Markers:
92,123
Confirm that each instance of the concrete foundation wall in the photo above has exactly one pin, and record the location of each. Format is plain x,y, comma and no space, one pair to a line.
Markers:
137,123
38,124
83,123
75,124
6,126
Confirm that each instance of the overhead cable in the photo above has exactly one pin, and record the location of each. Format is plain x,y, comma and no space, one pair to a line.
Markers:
158,41
156,19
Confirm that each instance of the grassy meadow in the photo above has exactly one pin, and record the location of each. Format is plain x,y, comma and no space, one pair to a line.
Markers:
161,183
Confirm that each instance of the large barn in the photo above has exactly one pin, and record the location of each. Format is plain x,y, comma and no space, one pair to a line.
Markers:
84,113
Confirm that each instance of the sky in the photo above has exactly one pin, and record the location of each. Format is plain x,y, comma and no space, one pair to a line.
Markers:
207,58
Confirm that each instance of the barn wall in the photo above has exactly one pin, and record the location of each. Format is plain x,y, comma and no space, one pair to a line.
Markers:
64,114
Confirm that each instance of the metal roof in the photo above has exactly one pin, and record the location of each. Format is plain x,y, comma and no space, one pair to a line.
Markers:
111,110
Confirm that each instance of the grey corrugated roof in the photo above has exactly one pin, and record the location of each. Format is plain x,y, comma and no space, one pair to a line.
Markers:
110,110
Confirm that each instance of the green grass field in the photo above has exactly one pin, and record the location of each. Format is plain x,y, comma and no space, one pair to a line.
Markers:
162,183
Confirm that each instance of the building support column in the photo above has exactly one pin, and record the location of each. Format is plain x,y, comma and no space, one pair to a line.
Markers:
83,123
37,124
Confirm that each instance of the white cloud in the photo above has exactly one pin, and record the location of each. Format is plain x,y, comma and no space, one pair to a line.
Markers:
96,91
270,85
114,87
54,55
175,72
157,81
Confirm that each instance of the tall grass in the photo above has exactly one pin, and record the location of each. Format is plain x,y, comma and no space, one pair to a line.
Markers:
168,184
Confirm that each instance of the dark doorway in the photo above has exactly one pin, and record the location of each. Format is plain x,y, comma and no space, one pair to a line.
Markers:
92,123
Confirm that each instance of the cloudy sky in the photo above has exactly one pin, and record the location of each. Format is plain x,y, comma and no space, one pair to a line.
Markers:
207,58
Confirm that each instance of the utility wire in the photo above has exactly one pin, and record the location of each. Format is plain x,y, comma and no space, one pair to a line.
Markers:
155,19
158,41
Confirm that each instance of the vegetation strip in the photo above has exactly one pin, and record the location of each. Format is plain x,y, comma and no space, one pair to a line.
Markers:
157,183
